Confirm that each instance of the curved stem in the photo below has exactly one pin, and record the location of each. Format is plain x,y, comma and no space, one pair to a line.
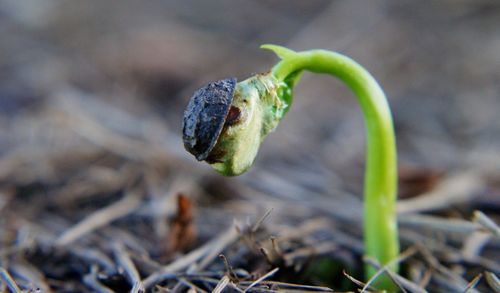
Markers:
380,184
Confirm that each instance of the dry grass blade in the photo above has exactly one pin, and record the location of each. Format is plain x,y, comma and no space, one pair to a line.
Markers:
259,222
446,277
90,129
216,249
167,272
9,281
356,281
454,189
440,224
192,287
137,287
91,281
306,252
100,218
473,283
79,125
34,279
480,218
492,281
448,285
221,285
399,280
474,243
94,256
290,287
385,269
214,246
132,275
381,270
267,275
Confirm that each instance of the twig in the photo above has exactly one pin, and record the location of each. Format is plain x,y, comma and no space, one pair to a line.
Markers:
229,268
100,218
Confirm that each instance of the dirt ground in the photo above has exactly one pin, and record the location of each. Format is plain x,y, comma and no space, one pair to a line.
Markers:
97,193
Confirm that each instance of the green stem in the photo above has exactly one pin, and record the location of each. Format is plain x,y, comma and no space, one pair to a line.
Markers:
380,223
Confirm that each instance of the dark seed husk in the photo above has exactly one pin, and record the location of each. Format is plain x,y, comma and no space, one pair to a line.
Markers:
205,116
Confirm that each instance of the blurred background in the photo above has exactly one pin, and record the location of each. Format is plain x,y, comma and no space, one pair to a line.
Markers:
92,95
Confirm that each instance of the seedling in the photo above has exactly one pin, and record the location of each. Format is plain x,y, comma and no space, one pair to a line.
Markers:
225,123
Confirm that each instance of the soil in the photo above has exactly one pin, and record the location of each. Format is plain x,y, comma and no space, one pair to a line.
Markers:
97,193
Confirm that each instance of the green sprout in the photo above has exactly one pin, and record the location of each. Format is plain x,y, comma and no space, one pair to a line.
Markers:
225,123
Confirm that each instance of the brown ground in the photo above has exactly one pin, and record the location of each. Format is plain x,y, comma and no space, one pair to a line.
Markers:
98,194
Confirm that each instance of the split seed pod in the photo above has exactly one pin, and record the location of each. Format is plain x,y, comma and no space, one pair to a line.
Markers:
206,115
225,122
